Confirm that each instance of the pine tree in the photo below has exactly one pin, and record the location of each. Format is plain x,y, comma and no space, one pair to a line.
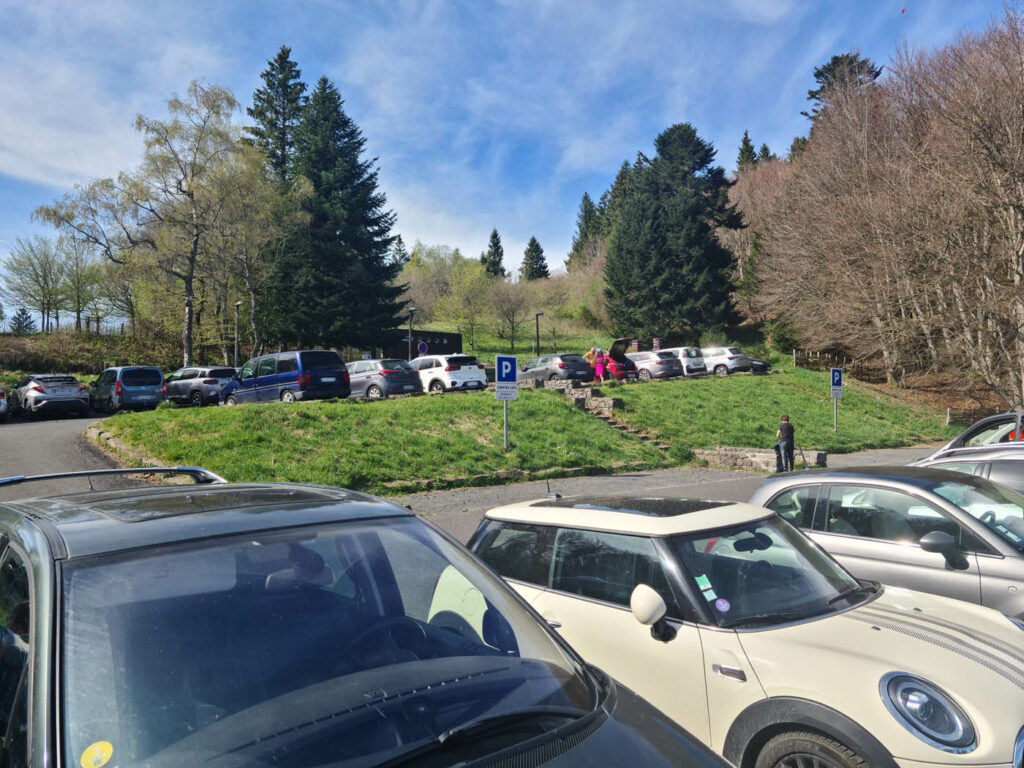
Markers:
844,69
277,110
799,145
399,254
22,323
335,287
534,266
747,155
666,271
587,225
493,258
765,154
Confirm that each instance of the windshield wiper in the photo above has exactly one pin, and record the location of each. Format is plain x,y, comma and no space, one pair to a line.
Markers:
473,729
850,593
771,617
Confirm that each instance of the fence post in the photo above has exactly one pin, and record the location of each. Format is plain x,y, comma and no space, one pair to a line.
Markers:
794,357
947,417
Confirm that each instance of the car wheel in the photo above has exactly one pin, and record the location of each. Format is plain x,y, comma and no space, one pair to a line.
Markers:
196,399
553,377
807,750
721,370
231,400
374,392
287,396
645,374
435,386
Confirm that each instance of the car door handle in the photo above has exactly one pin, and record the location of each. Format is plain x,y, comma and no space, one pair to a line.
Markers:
553,624
729,673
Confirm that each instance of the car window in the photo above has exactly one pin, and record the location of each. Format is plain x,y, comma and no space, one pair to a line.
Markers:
221,373
1008,473
796,505
394,365
993,432
735,351
191,373
15,611
361,367
320,359
462,360
531,363
287,363
248,370
999,508
693,352
967,467
881,513
141,377
607,566
267,366
514,550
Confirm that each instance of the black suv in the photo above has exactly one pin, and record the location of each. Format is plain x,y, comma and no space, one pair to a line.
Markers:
287,625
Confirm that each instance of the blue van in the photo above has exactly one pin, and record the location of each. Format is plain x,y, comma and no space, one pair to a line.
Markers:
288,376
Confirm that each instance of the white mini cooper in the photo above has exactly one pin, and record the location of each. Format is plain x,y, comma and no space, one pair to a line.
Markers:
739,627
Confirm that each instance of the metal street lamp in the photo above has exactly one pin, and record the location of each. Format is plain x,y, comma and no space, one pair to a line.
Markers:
412,311
237,305
536,319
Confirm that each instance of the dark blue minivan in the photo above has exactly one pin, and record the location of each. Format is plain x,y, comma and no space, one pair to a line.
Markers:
288,376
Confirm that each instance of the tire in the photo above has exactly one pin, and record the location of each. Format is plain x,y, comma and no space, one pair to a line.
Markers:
645,375
196,399
721,370
435,386
553,377
373,392
807,750
231,401
287,396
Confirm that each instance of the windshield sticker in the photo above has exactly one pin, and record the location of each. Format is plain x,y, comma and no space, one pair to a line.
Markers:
97,754
709,595
703,582
1008,533
722,605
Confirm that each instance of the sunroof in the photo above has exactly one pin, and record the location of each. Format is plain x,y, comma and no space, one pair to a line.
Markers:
634,505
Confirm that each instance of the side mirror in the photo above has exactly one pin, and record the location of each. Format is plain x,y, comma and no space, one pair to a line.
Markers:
92,384
942,543
649,609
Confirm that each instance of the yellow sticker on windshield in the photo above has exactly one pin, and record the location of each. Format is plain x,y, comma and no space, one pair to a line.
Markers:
97,755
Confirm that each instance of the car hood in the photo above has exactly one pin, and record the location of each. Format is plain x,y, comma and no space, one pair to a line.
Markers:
974,654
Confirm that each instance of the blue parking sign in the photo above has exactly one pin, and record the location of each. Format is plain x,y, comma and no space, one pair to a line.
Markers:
837,377
505,369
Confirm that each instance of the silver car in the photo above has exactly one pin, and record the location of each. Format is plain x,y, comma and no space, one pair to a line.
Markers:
923,528
1003,464
50,393
198,386
692,360
656,365
134,387
725,360
999,430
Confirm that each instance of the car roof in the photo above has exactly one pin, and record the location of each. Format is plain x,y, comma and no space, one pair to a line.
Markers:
648,516
921,477
98,522
1013,451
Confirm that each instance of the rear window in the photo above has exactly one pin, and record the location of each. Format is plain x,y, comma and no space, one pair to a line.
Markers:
395,365
221,373
141,377
56,379
574,359
693,353
735,351
666,356
320,359
462,361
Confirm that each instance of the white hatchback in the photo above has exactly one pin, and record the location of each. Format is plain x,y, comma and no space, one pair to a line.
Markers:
751,637
442,373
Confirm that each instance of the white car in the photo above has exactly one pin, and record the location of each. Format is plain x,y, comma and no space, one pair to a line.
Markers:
725,360
442,373
751,637
692,360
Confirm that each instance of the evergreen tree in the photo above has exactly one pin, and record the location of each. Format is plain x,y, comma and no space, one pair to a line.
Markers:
765,154
335,285
844,69
399,254
277,110
799,145
534,266
666,271
492,259
22,323
747,155
587,228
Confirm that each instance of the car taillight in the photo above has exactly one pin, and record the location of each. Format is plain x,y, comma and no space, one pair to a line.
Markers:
164,388
450,368
205,381
562,365
38,389
730,357
81,388
117,389
2,395
388,373
481,367
305,379
344,377
663,362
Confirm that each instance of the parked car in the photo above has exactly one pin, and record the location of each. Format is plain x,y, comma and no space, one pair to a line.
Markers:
375,379
1002,428
656,365
1001,463
923,528
692,360
620,367
557,367
287,625
756,641
198,386
760,366
309,374
5,408
725,360
42,394
441,373
132,387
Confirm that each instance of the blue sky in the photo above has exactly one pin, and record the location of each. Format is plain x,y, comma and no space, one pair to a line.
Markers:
482,114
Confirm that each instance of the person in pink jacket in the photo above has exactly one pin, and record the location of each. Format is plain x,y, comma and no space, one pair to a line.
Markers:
599,363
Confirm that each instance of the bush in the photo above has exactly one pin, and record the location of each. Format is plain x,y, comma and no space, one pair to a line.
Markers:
780,336
714,337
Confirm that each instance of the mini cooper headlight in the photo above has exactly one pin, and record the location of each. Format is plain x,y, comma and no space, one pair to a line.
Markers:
927,712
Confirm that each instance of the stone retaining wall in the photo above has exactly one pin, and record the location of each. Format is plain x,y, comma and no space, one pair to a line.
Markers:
751,458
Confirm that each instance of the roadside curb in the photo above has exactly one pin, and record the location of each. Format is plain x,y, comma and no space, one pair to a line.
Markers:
117,450
399,487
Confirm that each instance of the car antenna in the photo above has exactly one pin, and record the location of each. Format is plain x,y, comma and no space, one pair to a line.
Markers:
551,495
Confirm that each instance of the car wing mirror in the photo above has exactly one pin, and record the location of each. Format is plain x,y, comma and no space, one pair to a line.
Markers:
942,543
649,609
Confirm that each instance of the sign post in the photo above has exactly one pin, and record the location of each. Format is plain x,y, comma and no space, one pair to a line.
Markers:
506,386
837,395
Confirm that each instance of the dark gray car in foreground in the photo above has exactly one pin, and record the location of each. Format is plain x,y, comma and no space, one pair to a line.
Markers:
924,528
262,624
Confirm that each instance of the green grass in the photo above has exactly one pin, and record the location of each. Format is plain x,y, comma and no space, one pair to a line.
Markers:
367,445
744,411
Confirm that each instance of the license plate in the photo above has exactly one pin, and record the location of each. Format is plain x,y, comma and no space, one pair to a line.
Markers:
327,379
409,386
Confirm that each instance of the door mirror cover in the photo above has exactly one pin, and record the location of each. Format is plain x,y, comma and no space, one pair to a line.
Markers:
647,605
942,543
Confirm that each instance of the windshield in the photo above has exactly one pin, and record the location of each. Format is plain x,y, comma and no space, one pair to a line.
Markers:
342,646
759,573
999,508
